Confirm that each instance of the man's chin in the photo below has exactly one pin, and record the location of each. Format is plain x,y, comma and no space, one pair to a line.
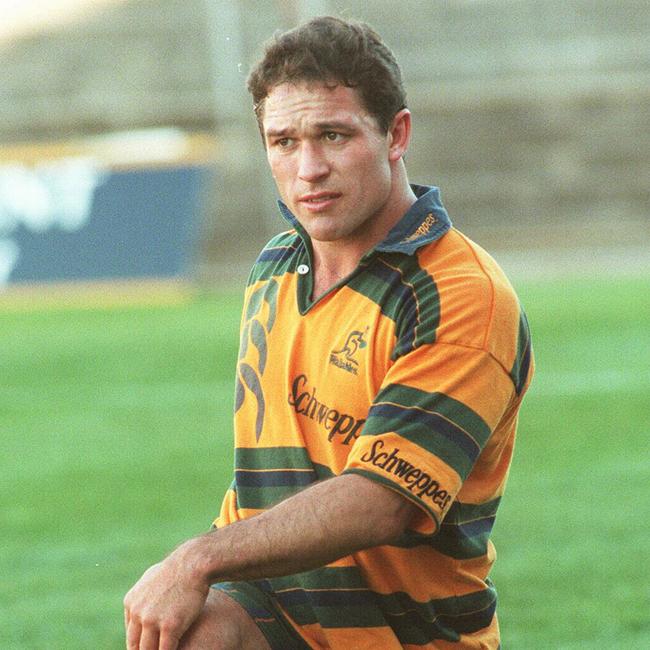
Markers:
324,236
322,228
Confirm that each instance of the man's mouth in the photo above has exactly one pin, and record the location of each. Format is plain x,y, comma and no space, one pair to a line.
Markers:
320,197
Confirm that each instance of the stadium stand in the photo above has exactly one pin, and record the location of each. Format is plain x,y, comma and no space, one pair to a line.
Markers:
534,118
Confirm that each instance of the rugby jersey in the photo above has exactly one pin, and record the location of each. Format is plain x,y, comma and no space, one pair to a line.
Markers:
410,372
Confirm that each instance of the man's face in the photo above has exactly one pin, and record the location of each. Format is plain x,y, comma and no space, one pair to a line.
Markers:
330,161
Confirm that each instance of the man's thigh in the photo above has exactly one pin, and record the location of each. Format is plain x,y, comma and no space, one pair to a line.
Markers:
239,616
223,625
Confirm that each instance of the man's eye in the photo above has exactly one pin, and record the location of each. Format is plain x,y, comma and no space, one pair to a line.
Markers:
332,136
283,142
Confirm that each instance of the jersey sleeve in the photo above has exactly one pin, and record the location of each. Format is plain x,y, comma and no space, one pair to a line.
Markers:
436,410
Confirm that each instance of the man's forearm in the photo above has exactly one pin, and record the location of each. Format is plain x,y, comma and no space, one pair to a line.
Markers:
323,523
318,525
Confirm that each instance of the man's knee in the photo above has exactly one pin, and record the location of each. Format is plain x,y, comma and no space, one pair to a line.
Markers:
223,625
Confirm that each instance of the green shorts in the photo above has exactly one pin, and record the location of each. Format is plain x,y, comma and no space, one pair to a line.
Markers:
266,614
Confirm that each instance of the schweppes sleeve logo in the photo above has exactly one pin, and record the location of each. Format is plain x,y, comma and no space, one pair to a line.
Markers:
416,480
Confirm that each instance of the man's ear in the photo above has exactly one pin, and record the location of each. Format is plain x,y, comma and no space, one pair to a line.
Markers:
399,135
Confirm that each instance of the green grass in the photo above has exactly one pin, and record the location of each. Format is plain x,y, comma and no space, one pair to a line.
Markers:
116,445
572,536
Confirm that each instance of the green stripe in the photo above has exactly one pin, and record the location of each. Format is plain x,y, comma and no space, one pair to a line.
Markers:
262,498
455,451
451,409
307,612
331,616
302,614
271,458
379,291
266,267
428,300
519,371
406,294
267,270
328,577
443,618
323,472
399,603
261,608
425,438
336,597
455,537
279,458
462,513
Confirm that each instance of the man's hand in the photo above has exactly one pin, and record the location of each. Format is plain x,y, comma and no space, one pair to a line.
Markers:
318,525
163,604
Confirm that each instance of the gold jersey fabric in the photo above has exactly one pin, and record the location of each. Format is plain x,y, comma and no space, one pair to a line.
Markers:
411,373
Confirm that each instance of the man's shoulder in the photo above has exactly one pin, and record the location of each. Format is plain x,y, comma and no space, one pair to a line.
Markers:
457,262
478,307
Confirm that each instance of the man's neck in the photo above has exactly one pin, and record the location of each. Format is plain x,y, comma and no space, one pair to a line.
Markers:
335,260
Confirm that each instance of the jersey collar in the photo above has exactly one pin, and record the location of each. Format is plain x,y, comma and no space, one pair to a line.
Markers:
425,221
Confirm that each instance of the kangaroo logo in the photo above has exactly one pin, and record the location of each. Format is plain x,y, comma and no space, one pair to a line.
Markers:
345,358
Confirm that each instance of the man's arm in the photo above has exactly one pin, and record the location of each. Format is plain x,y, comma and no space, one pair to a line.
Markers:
318,525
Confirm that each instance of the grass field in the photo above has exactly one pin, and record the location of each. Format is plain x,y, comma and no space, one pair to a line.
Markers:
116,445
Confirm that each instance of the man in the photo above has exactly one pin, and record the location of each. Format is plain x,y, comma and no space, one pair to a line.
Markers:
383,360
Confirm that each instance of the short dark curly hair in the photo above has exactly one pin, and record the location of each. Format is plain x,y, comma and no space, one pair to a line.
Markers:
332,50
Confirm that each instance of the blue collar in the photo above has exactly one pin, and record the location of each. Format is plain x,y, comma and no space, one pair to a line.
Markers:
425,221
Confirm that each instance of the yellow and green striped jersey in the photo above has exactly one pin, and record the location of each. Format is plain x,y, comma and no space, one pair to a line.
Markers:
409,372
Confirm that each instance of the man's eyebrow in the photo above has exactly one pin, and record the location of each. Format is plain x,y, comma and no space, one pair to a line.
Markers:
274,133
333,126
317,127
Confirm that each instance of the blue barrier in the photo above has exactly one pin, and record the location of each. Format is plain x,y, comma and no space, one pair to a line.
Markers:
74,218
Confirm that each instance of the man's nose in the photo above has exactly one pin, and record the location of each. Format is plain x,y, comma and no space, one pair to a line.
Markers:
313,165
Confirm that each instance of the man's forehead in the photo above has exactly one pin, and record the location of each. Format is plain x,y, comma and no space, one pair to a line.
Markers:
312,101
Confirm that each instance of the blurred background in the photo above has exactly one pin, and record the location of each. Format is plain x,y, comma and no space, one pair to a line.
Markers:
129,150
134,197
